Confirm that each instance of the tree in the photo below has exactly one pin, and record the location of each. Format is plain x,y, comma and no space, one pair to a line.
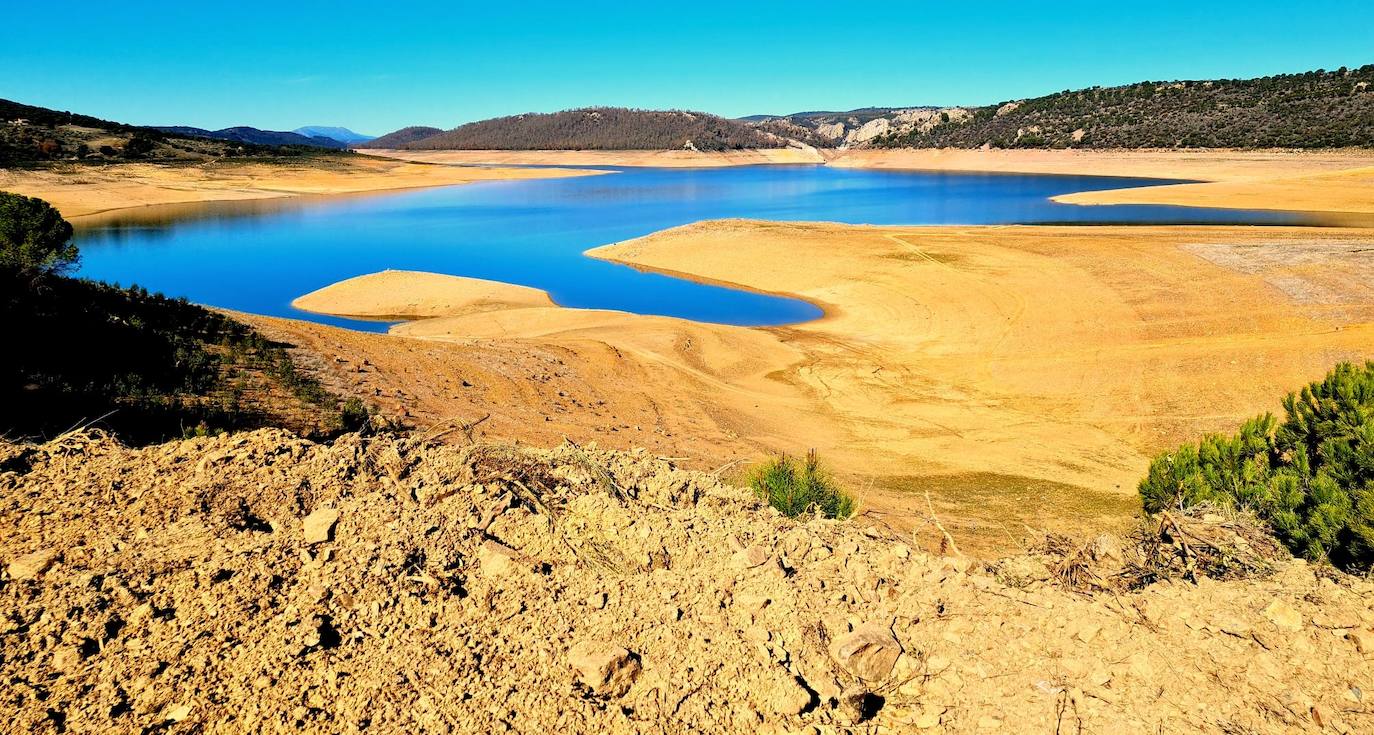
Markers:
34,238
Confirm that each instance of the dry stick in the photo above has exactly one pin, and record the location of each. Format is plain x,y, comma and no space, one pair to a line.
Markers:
82,424
605,478
468,428
725,467
948,538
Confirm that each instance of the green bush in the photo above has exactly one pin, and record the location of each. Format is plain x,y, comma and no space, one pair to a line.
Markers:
796,487
1310,477
354,414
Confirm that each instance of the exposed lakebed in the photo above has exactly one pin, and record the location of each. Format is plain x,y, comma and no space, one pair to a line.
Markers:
257,256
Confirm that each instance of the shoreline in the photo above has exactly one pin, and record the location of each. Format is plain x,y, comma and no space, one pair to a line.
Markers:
1316,181
82,191
931,359
1336,182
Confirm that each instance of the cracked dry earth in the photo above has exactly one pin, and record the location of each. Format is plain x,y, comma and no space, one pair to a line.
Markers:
259,582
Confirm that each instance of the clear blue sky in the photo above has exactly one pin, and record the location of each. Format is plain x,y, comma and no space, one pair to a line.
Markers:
378,66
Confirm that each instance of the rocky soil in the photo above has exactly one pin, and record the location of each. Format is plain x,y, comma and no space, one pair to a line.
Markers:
260,582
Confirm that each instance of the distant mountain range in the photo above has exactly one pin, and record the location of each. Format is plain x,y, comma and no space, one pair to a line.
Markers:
1319,109
253,135
343,135
596,128
402,137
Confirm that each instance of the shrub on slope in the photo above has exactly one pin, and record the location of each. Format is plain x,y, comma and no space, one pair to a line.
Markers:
1310,476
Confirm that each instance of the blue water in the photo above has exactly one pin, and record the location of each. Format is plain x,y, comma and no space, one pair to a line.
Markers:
258,256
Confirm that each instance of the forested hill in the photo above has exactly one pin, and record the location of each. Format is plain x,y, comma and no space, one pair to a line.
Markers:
398,138
603,128
36,136
1320,109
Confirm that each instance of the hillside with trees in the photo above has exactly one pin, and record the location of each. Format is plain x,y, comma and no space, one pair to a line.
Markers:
36,136
255,136
603,128
1319,109
402,137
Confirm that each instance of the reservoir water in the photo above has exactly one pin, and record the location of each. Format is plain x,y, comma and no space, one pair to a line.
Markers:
258,256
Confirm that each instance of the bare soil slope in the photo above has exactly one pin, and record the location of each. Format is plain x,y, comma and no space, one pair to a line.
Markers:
259,582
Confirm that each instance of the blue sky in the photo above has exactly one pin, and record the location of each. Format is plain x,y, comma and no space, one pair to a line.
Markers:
379,66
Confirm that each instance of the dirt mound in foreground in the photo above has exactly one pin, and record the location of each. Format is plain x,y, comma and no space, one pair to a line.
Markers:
259,582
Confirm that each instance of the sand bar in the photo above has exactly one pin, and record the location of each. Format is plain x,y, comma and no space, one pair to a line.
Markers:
415,295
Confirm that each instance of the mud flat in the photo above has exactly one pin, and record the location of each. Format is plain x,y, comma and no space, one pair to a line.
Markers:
1024,374
78,190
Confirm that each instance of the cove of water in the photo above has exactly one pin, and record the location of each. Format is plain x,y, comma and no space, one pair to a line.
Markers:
258,256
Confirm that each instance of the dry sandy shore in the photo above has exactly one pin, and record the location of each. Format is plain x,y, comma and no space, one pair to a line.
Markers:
1023,374
1315,181
83,190
1203,165
1339,191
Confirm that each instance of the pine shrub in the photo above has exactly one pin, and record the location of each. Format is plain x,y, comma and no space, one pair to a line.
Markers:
1311,476
798,487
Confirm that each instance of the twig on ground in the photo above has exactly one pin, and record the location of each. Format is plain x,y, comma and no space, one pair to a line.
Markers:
949,540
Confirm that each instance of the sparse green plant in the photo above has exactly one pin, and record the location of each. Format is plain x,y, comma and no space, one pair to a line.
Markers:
354,414
796,487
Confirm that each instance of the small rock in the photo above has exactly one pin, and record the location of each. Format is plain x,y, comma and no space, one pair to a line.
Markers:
497,558
928,717
1363,640
319,526
1281,614
66,659
753,556
869,652
177,712
1107,548
861,704
752,605
608,669
597,601
789,697
29,566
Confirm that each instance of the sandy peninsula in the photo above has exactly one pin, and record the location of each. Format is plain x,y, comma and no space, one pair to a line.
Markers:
1023,374
1312,181
1339,191
81,190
